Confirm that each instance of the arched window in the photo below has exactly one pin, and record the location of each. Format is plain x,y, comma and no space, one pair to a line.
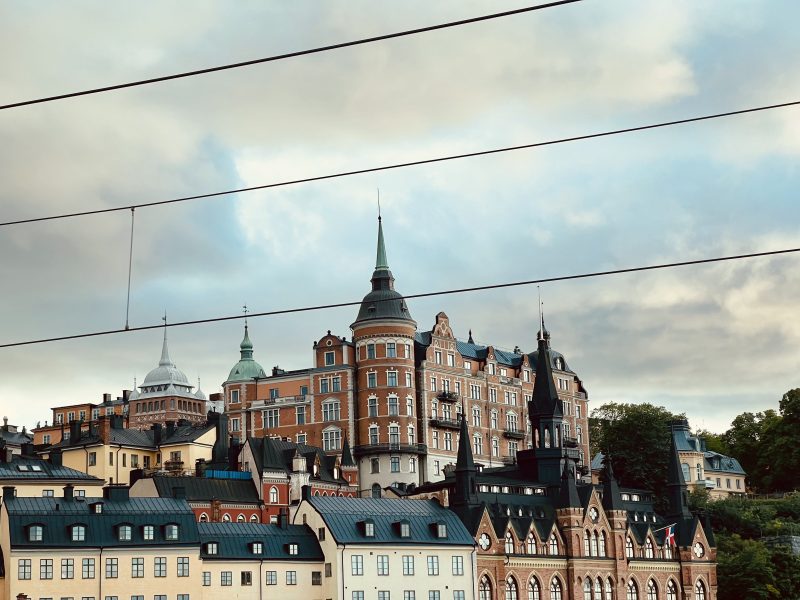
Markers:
273,495
699,469
376,490
609,590
667,550
553,544
598,589
254,518
509,543
546,438
241,519
512,591
484,589
534,591
203,518
687,474
555,589
652,590
629,547
632,591
594,543
700,590
672,590
587,589
531,543
226,518
602,543
586,542
648,549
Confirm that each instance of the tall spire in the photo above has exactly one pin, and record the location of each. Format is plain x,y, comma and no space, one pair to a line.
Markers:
568,492
165,359
465,492
612,498
380,260
246,347
545,396
676,485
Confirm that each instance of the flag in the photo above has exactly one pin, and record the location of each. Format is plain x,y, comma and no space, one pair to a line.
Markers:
669,539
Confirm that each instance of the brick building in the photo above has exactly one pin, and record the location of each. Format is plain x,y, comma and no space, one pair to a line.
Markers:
396,392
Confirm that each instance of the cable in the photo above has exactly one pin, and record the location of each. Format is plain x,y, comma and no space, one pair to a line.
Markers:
410,296
277,57
130,269
403,165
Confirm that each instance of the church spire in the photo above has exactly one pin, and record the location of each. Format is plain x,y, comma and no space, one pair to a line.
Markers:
545,396
568,492
676,485
381,261
465,492
165,359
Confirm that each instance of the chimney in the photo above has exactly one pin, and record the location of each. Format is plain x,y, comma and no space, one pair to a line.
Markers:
233,455
56,458
179,492
135,475
106,398
117,422
126,394
5,423
220,451
283,517
5,455
27,449
69,493
200,467
92,429
306,492
156,427
74,432
104,427
9,491
170,428
116,493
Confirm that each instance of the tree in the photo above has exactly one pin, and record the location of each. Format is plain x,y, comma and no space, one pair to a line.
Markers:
749,441
637,438
744,570
714,441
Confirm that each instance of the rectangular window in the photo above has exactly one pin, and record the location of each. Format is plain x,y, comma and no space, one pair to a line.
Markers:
137,567
226,578
324,385
207,578
372,405
433,595
357,595
67,568
160,566
438,357
336,384
46,568
148,531
458,565
436,467
433,565
331,439
459,594
409,595
273,393
408,379
160,597
88,568
247,577
330,358
383,595
433,384
357,564
182,597
301,438
331,411
183,566
301,415
291,577
375,465
316,577
234,396
383,564
370,351
24,568
394,463
272,578
391,378
372,380
137,597
112,568
408,564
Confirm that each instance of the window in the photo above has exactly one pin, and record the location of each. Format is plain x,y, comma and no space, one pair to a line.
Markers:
330,358
412,465
383,595
212,547
183,566
672,590
160,566
293,549
492,395
370,351
137,597
409,595
24,568
434,595
137,567
124,533
271,418
46,568
408,380
441,531
357,564
410,434
509,543
433,384
495,447
375,465
331,439
555,589
171,533
372,404
458,565
383,564
67,568
553,544
394,463
594,544
652,592
408,564
226,578
78,533
436,466
629,547
484,589
474,388
394,406
609,588
300,413
271,578
476,416
700,590
301,438
372,380
87,568
358,595
180,597
234,427
477,444
291,577
648,549
448,441
493,419
632,591
512,591
112,568
35,533
433,565
391,350
531,544
324,385
234,396
316,577
330,411
587,589
273,495
246,577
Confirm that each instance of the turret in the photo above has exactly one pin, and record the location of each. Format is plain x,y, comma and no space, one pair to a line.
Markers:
465,493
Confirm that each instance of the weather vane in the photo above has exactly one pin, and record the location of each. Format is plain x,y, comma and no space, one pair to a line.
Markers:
245,310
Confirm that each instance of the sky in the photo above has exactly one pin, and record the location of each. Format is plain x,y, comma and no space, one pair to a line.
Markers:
711,341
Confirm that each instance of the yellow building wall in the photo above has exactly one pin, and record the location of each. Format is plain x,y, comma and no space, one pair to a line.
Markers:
29,489
259,590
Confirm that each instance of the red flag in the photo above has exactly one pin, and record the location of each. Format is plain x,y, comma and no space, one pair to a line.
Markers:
670,537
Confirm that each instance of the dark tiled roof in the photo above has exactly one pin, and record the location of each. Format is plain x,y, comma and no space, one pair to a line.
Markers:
23,467
719,463
235,541
58,515
277,454
344,515
142,439
15,438
207,489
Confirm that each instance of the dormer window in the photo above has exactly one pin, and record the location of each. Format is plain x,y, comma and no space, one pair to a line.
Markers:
35,533
441,530
212,548
97,508
171,533
369,528
148,532
292,549
78,533
403,528
124,533
257,548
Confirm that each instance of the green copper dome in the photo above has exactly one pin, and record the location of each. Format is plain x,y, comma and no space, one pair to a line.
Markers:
246,369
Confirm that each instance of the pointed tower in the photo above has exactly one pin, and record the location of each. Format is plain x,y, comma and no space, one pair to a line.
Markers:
568,492
465,493
387,448
677,490
240,387
615,512
348,465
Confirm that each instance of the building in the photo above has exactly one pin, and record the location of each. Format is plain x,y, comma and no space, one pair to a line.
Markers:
12,438
85,412
542,532
396,392
384,549
33,476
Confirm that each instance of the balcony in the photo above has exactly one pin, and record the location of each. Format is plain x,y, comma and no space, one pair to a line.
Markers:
301,399
509,380
710,484
448,397
366,449
514,434
445,423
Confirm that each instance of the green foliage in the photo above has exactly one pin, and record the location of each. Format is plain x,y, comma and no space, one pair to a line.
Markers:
714,441
699,499
744,569
637,438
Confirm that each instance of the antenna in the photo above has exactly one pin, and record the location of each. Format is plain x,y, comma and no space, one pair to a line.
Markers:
379,204
541,314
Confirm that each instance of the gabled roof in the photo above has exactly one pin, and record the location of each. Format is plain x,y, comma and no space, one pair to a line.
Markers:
242,491
28,468
141,439
15,438
345,516
719,463
272,454
234,541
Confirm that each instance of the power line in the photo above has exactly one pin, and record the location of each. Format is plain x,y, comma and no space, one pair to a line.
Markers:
406,164
411,296
295,54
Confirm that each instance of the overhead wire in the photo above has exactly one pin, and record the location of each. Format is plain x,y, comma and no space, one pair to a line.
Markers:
406,164
277,57
403,298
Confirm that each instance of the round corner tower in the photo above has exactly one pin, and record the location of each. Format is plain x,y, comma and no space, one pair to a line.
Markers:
387,449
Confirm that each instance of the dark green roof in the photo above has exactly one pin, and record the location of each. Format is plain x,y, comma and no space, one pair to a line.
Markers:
345,516
141,439
58,515
24,467
273,454
207,489
234,541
